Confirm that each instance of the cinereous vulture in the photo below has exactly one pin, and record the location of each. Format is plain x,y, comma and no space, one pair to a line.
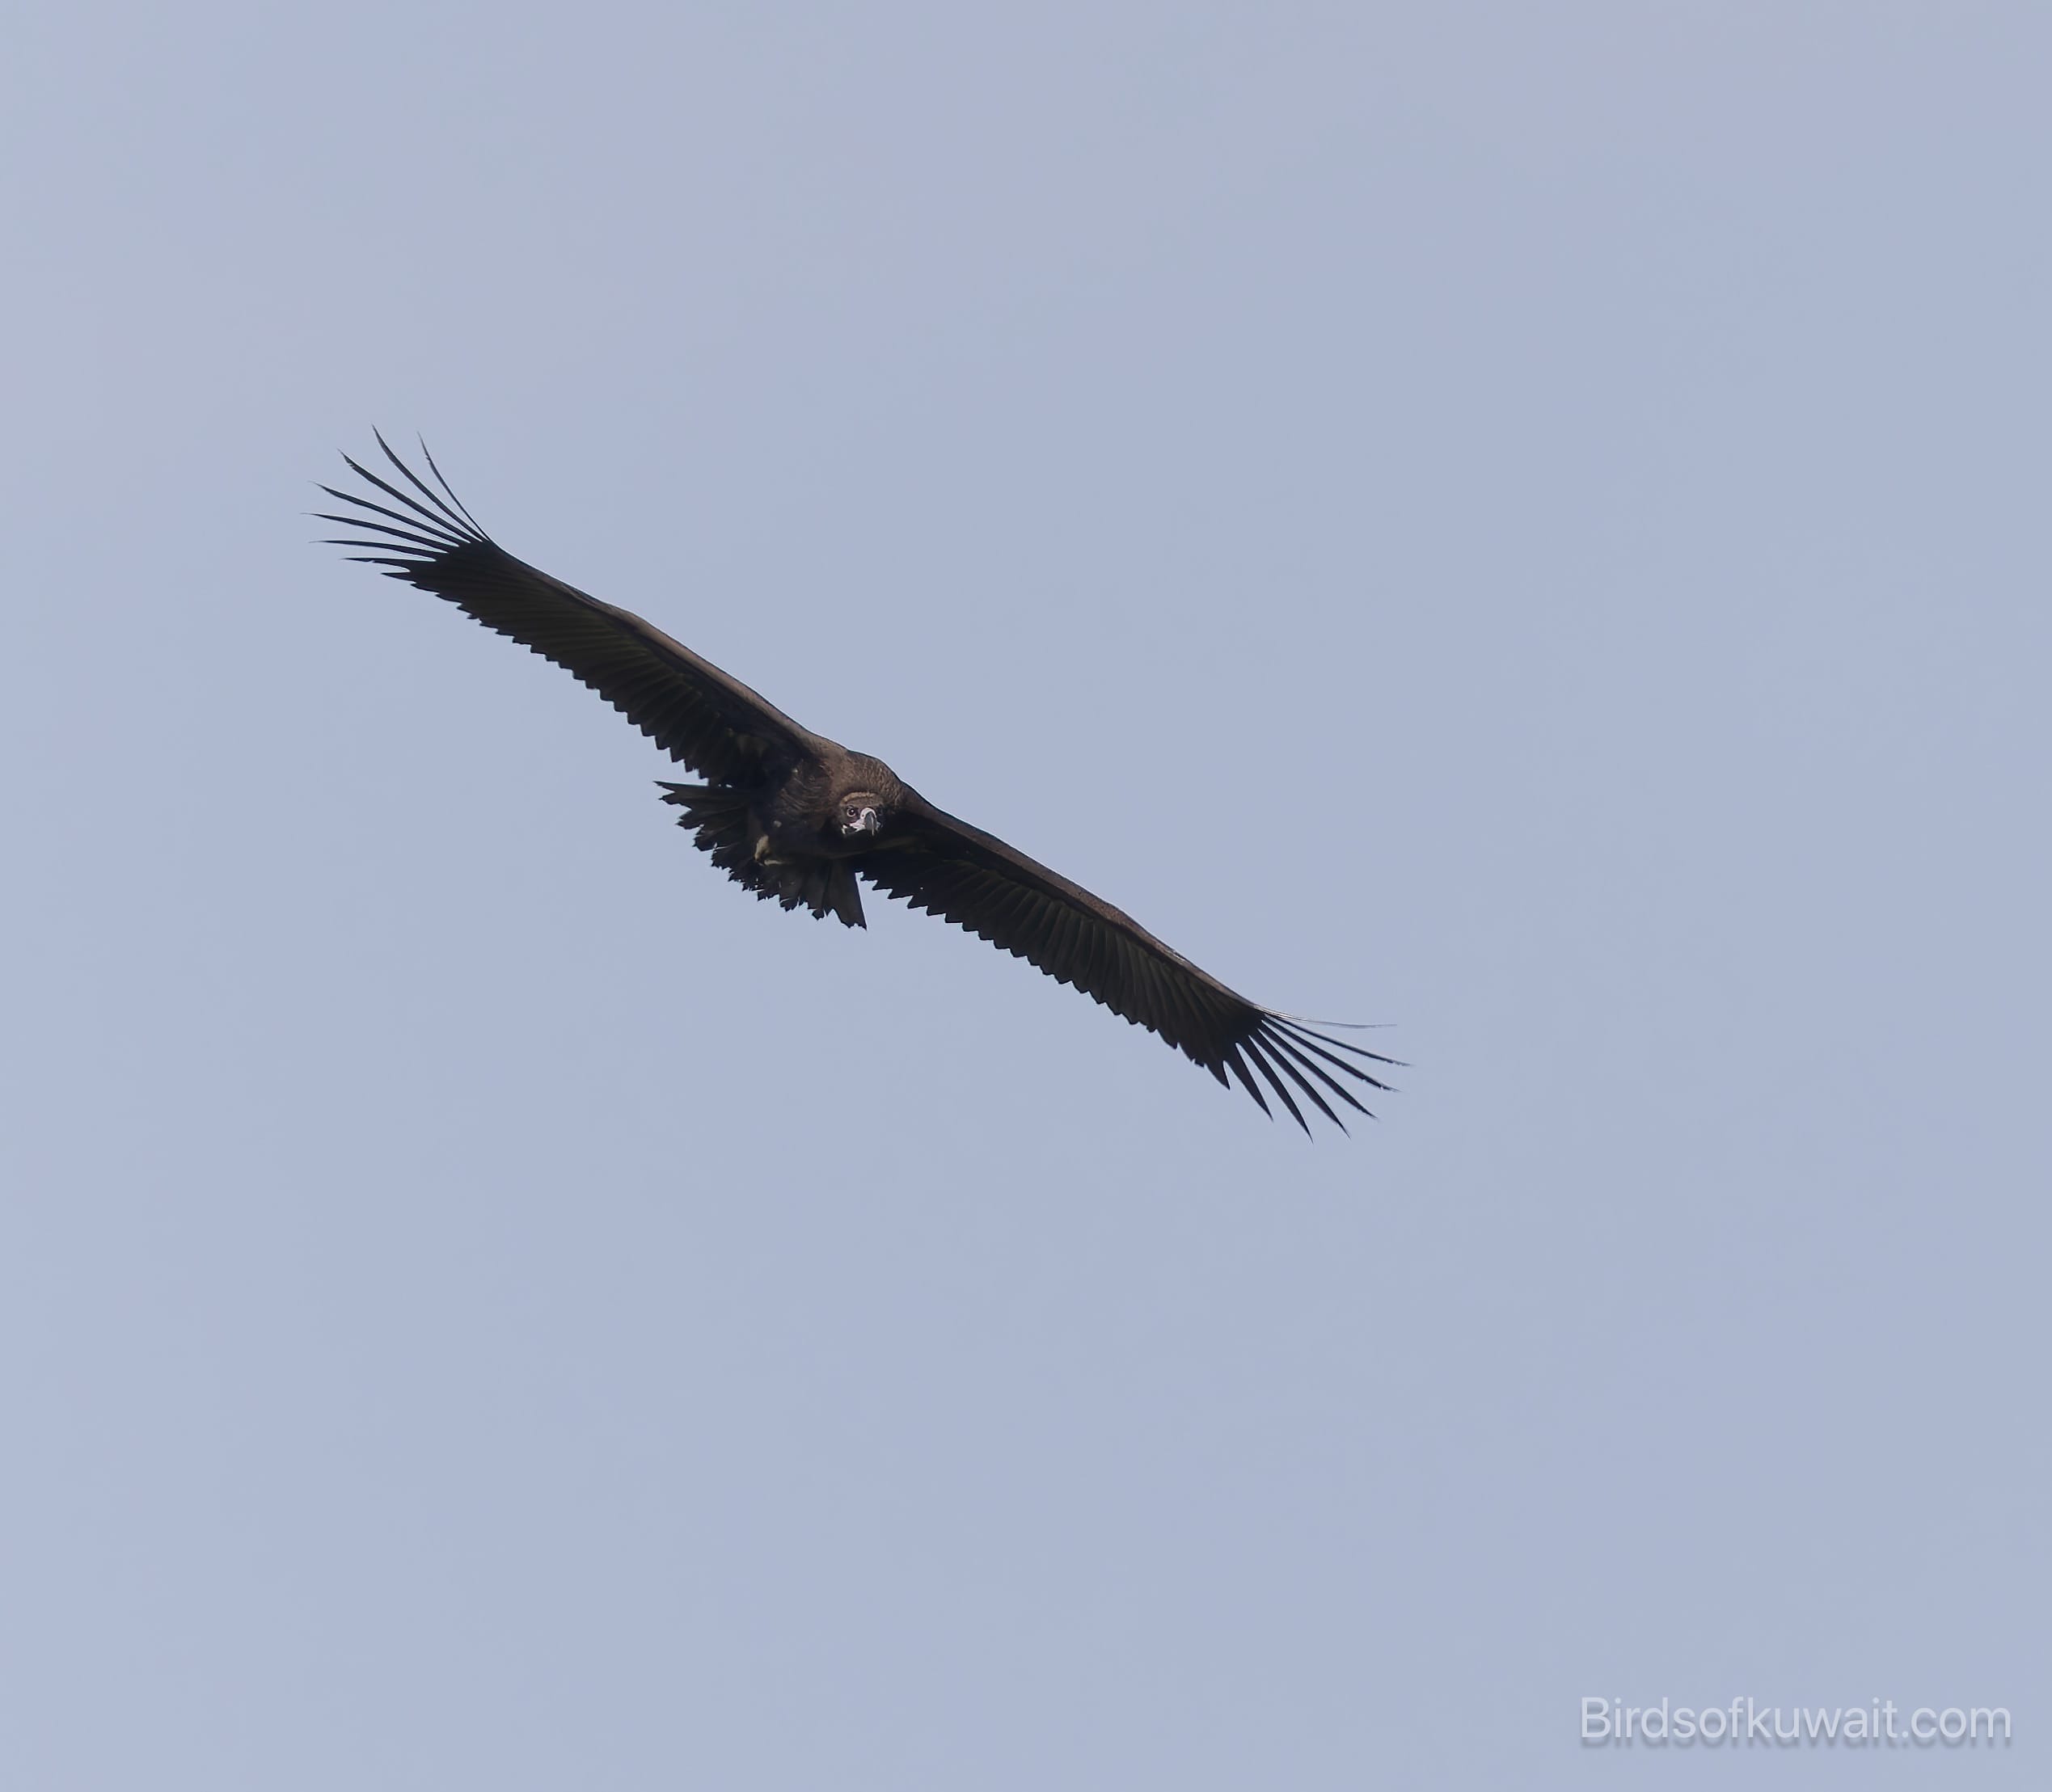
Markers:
791,815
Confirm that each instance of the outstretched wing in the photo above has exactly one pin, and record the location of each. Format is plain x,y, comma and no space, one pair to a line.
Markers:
934,862
688,706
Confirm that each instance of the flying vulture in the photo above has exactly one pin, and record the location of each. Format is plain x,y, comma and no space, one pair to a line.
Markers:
790,814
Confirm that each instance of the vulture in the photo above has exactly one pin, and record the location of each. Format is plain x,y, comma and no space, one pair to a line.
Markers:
796,818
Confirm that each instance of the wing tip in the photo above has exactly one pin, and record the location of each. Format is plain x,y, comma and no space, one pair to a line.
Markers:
1290,1055
428,530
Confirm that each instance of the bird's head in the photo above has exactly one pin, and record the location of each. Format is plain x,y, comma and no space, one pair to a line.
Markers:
860,812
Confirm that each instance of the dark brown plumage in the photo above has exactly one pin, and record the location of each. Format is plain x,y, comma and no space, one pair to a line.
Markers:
792,816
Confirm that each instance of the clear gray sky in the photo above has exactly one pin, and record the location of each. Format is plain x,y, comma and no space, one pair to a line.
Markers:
1526,524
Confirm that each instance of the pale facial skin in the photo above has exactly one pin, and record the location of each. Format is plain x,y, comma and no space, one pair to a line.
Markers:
859,814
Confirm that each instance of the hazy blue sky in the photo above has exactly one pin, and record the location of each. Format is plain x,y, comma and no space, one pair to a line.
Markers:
1527,525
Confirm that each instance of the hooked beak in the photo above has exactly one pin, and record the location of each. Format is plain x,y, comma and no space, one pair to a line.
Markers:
868,822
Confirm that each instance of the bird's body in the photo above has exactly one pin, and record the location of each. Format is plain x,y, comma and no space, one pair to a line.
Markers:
795,832
798,818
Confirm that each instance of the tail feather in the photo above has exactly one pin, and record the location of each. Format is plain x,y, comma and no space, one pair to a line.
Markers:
844,895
